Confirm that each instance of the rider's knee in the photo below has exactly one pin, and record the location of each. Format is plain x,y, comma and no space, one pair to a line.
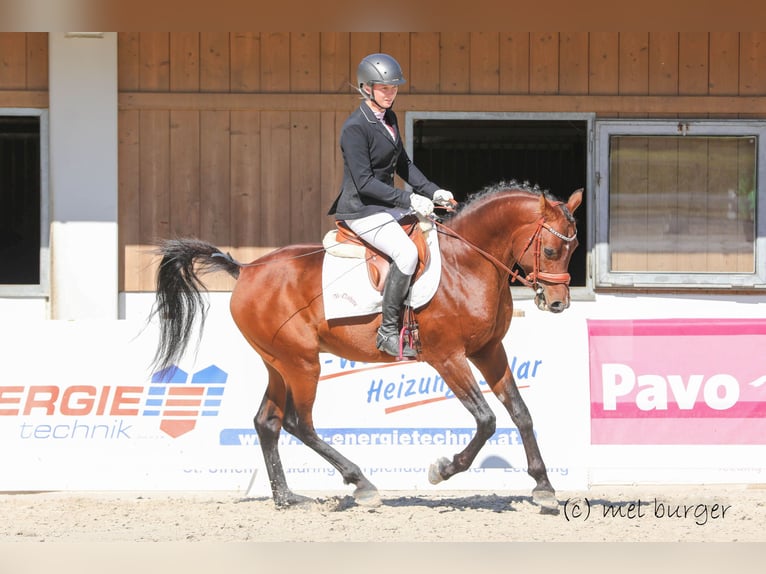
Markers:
406,257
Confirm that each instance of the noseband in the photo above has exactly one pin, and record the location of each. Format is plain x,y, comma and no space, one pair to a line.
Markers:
537,276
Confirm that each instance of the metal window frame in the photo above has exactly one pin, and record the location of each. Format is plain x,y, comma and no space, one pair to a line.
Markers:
41,289
586,239
604,276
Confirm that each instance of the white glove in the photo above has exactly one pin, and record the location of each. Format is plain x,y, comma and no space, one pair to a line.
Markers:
421,205
443,197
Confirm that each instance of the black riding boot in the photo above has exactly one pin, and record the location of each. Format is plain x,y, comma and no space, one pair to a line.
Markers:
394,293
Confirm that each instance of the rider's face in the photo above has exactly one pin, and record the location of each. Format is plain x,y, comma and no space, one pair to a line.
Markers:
384,95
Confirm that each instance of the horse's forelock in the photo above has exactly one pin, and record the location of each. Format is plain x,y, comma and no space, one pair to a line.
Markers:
567,213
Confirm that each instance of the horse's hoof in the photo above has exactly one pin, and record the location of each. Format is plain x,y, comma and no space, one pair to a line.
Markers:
546,500
434,471
292,501
369,497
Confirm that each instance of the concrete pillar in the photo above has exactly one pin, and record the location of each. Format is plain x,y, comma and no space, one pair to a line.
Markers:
83,175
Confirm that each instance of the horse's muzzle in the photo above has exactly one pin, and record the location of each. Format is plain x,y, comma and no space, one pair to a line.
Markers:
554,304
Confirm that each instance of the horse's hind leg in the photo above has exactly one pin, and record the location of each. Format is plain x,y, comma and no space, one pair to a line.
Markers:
268,424
493,364
298,421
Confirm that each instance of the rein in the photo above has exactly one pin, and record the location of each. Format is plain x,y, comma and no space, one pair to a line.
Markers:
534,278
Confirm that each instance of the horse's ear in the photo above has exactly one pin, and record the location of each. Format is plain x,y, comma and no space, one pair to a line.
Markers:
545,205
575,200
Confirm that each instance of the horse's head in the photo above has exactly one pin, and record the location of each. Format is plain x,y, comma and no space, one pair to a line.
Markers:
543,248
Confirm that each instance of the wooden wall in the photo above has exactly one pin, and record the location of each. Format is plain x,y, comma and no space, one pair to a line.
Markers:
23,69
232,137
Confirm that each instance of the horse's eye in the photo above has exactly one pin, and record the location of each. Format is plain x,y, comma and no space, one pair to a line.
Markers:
549,252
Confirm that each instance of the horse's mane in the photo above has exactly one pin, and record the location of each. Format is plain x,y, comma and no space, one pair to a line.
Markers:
504,186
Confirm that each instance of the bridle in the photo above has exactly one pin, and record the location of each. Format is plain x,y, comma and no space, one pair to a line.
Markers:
536,277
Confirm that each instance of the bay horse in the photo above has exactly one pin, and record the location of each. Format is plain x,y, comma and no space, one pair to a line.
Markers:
277,305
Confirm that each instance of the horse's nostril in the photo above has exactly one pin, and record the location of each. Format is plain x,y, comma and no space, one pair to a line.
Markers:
557,306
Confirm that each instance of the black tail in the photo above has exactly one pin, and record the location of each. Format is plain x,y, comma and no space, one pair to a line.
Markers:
179,299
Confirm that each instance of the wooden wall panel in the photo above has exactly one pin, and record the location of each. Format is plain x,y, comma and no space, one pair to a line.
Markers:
184,62
276,200
184,173
215,177
234,136
154,60
24,68
245,55
663,63
306,212
215,187
215,58
275,62
37,61
514,63
128,61
575,64
604,62
154,185
330,164
693,58
13,61
129,204
752,55
245,174
335,63
633,58
485,63
424,73
455,62
305,67
544,62
724,63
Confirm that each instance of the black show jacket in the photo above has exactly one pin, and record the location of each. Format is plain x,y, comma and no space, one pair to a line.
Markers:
371,157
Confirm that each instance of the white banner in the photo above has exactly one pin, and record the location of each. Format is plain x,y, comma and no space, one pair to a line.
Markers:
80,411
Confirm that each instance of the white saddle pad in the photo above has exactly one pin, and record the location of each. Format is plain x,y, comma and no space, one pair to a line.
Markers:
347,291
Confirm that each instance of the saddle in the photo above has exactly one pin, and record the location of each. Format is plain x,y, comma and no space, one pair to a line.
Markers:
343,242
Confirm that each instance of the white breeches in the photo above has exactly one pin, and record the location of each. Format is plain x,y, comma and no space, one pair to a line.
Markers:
384,233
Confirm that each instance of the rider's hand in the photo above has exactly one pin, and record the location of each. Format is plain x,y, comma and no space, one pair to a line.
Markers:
443,197
421,205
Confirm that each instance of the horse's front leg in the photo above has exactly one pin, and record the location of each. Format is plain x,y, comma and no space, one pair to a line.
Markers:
458,375
493,364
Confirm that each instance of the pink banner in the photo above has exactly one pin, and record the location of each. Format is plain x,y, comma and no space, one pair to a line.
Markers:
678,381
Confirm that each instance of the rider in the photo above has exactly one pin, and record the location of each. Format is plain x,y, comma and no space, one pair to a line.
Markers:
368,202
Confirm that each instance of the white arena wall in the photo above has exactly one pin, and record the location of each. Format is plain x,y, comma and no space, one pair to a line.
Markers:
79,409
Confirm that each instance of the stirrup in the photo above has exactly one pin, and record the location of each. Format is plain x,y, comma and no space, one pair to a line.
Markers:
395,346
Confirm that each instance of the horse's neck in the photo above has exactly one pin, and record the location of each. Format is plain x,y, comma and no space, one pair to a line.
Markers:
491,224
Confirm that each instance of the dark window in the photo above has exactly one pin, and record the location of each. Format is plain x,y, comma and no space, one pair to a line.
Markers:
19,200
466,155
